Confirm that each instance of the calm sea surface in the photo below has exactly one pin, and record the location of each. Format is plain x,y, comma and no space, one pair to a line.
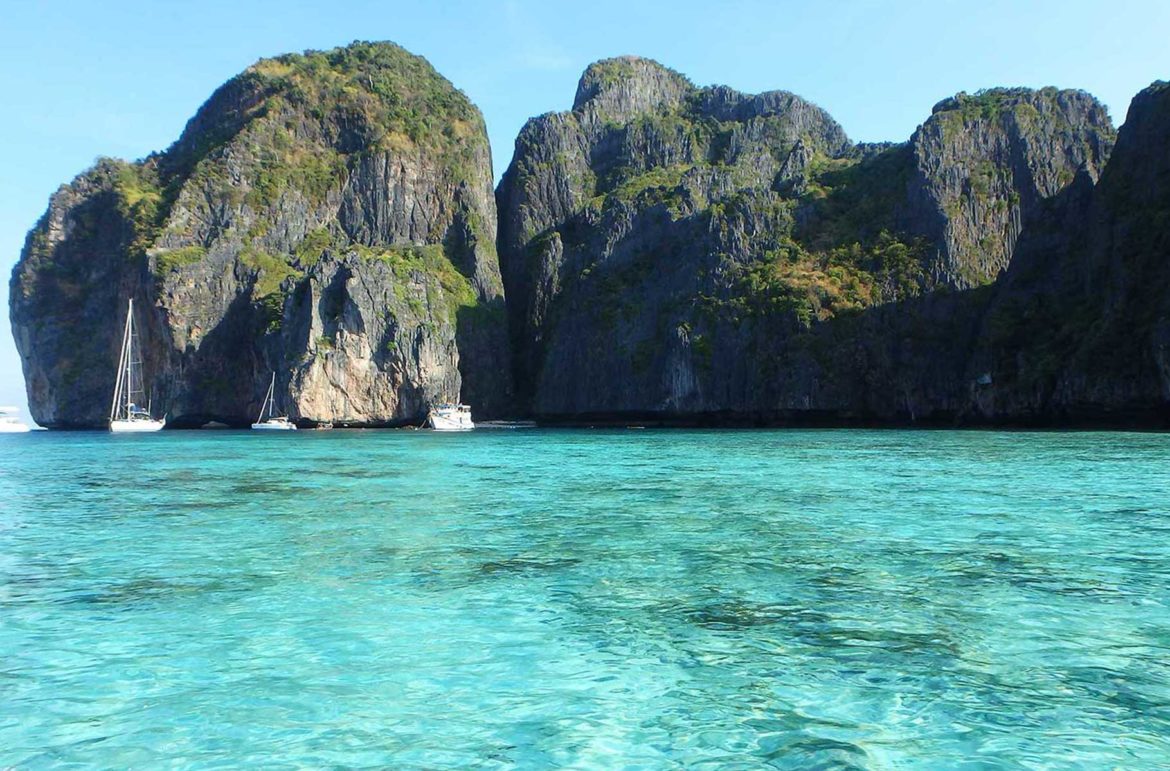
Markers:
595,599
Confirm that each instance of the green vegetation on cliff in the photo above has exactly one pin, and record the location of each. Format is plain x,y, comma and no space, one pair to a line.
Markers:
807,228
144,200
398,94
375,95
172,259
419,265
312,247
269,289
298,122
826,246
819,286
847,254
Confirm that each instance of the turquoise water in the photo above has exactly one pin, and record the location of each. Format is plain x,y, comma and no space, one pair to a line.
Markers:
594,599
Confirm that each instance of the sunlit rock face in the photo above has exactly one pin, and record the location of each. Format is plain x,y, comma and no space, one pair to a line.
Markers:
328,217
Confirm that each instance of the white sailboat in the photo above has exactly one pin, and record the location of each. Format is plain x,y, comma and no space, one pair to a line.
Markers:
10,423
450,417
274,422
126,416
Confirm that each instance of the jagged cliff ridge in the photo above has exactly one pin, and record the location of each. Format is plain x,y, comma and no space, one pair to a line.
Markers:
328,216
674,251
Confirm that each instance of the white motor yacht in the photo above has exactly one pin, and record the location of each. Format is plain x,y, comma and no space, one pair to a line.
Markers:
450,417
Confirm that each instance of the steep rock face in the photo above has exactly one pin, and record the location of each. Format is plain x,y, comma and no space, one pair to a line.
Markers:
985,163
591,186
678,251
328,216
63,289
1080,326
1125,362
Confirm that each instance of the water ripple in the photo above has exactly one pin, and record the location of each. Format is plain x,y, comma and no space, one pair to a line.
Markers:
590,599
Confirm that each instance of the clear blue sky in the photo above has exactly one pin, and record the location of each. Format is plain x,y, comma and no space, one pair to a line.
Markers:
83,79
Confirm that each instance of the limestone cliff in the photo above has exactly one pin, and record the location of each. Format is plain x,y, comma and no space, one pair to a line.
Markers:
327,216
696,253
1079,330
985,163
670,252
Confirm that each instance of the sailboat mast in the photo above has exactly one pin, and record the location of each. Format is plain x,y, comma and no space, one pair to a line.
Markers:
267,397
129,356
120,382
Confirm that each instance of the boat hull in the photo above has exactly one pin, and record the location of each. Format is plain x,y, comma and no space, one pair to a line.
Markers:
14,428
136,426
455,422
273,427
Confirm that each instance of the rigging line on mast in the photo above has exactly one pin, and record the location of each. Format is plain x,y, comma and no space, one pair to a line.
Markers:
122,357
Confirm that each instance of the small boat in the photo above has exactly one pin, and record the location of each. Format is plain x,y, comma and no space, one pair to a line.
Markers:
126,416
274,422
10,423
450,417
